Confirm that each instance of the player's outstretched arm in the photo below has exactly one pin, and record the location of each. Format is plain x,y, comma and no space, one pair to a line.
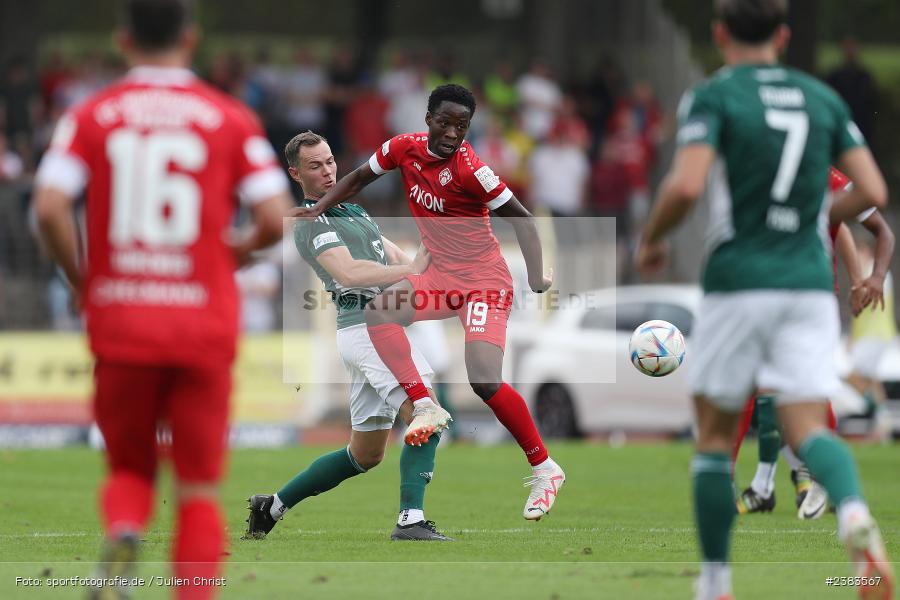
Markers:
354,273
526,233
346,188
869,188
396,256
845,248
677,194
56,222
873,285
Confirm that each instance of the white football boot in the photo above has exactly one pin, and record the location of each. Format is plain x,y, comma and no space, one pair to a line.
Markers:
863,541
545,484
814,503
427,419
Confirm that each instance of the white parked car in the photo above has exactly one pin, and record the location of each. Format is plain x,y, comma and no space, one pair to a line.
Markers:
558,365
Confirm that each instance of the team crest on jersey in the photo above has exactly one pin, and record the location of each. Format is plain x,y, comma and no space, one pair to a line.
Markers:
444,176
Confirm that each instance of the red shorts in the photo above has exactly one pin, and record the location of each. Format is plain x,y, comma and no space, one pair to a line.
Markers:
132,401
482,307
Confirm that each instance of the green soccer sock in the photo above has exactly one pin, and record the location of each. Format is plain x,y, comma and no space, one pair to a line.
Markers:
831,464
714,507
767,429
416,470
323,474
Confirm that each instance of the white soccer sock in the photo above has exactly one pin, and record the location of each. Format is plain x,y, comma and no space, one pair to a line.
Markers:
792,459
715,580
548,463
850,509
278,508
408,516
426,401
764,481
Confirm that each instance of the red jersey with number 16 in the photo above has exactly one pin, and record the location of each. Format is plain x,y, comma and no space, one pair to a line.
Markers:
450,199
163,158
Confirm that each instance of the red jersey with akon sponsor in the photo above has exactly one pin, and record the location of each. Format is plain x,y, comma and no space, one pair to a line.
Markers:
460,191
163,158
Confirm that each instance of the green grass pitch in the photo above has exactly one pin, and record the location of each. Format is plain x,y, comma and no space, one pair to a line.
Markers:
622,528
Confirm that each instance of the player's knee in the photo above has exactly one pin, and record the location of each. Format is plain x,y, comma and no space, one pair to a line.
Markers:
369,460
485,389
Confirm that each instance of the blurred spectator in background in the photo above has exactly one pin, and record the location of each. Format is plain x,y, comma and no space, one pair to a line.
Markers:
226,73
856,86
259,284
400,77
446,70
524,145
570,125
405,110
628,144
260,90
11,165
365,122
597,97
540,97
89,76
304,86
610,191
18,105
54,74
343,77
644,115
500,92
559,175
365,127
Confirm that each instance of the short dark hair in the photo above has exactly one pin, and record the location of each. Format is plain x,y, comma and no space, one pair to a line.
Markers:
752,21
292,149
157,24
451,92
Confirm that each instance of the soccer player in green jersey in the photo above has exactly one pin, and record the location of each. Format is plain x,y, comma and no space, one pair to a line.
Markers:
354,262
760,138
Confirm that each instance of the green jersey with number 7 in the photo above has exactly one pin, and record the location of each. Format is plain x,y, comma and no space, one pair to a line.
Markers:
776,131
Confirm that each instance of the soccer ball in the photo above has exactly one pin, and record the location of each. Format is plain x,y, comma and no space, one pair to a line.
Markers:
656,348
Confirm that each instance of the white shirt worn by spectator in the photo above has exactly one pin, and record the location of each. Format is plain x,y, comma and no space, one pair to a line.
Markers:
540,98
11,166
303,87
559,174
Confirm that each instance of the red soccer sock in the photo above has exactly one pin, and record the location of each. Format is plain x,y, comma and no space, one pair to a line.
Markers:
743,428
832,419
199,542
126,501
510,409
392,346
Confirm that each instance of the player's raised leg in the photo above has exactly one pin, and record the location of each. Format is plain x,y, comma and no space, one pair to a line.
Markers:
714,508
386,316
831,463
484,364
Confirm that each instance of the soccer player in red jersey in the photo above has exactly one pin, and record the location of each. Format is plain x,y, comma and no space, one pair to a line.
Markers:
451,193
163,159
811,499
